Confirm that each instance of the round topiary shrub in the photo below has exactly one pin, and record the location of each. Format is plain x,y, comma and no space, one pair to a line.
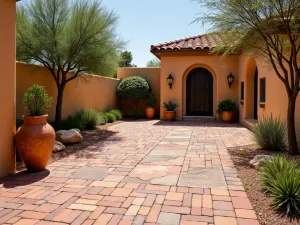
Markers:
134,88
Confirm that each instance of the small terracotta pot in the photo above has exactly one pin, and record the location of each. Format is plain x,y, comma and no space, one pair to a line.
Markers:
170,115
34,142
227,116
150,112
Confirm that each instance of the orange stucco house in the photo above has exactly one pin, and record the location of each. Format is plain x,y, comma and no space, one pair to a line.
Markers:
200,81
7,85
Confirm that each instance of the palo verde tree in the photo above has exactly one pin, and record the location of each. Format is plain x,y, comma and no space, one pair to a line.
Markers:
268,29
68,37
153,63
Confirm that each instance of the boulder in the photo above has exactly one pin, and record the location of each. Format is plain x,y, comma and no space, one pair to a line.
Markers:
58,147
69,136
258,160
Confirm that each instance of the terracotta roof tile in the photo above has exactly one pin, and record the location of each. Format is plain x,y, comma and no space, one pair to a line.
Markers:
200,42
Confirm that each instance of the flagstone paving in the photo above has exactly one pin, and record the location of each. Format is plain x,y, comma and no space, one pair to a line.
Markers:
150,172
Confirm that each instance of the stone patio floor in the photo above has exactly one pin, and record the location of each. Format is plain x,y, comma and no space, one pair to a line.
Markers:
148,172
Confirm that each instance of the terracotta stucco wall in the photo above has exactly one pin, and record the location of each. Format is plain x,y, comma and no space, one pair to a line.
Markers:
7,85
86,92
276,97
152,75
179,65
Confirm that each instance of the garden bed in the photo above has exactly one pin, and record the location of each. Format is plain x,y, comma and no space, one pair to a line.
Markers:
90,137
261,203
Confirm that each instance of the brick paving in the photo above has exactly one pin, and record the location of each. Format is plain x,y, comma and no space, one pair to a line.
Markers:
148,172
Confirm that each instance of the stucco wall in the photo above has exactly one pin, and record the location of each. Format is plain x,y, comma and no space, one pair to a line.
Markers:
180,64
86,92
152,75
7,85
276,97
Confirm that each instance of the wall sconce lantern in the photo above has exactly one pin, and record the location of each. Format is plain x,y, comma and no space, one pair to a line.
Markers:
170,80
230,79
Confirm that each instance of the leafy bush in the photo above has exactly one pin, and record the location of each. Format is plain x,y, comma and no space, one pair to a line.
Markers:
36,101
280,178
117,113
170,106
270,133
134,88
151,100
226,105
110,117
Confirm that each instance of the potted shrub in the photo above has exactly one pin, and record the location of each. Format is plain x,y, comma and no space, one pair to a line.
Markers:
150,110
226,109
35,138
170,113
135,89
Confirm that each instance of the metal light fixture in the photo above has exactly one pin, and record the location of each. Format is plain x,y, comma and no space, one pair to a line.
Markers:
170,80
230,79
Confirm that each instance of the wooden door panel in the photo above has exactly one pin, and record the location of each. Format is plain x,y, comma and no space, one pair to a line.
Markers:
199,93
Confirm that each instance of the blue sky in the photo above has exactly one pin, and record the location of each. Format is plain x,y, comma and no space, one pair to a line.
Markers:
146,22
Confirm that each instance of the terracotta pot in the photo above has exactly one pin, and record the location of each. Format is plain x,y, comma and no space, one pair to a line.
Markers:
34,142
150,112
170,115
227,116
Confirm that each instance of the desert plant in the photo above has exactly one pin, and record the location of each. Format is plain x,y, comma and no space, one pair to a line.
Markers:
270,133
134,88
280,178
102,118
36,101
170,106
117,113
110,117
226,105
87,119
151,100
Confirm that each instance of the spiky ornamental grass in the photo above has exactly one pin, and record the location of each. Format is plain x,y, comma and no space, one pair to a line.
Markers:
117,113
280,178
110,117
271,134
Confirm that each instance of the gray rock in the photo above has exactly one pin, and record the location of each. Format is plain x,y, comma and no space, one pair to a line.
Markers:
58,147
258,160
69,136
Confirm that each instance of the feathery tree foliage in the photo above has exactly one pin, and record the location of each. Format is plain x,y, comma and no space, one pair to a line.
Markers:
125,59
268,29
153,63
68,37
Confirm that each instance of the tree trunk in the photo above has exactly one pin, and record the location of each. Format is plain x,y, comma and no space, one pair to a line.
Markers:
292,138
58,112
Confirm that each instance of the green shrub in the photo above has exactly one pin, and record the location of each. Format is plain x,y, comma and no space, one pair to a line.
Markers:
70,123
36,101
134,88
110,117
271,134
88,119
170,106
226,105
117,113
102,118
280,178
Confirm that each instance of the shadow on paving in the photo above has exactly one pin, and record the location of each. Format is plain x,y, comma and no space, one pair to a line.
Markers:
23,178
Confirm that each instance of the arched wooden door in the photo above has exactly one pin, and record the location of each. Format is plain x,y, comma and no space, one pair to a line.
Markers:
199,93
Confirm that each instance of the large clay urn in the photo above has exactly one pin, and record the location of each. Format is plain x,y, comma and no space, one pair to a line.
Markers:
150,112
34,142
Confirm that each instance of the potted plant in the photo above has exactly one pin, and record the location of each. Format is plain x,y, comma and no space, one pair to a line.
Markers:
151,102
35,138
170,113
226,109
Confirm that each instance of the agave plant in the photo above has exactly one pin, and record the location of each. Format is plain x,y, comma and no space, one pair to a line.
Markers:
170,106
